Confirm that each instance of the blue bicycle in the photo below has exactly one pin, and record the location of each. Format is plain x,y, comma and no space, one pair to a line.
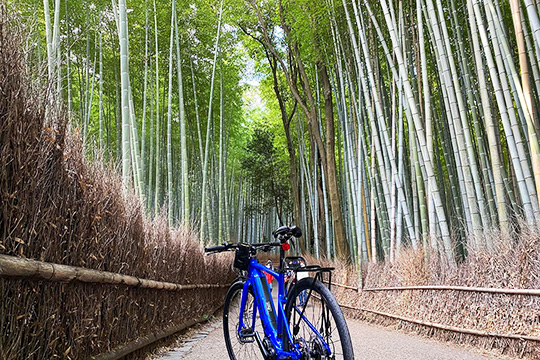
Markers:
313,328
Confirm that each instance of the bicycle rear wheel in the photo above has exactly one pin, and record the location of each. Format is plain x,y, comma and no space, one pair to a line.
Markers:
317,322
240,346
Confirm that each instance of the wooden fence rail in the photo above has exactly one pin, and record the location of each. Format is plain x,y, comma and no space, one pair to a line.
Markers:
446,327
530,292
16,267
442,326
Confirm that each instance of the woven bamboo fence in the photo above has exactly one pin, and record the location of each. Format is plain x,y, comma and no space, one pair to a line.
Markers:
84,272
527,292
491,301
19,268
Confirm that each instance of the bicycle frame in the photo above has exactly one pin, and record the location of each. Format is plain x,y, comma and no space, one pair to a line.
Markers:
267,312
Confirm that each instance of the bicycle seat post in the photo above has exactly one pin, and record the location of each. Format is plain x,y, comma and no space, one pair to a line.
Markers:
281,269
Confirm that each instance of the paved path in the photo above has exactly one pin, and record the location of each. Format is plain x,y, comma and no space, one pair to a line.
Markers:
370,343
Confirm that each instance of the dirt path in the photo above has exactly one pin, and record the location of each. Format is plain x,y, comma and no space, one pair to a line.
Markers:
370,343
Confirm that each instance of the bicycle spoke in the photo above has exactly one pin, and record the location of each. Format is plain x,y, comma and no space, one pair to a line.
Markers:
314,326
242,348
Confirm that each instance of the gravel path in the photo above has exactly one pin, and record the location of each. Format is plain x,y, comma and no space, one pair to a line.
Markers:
370,343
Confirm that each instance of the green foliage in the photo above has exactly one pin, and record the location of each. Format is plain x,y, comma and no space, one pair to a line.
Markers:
266,173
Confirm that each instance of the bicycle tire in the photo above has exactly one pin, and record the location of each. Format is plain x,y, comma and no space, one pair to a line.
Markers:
237,349
319,299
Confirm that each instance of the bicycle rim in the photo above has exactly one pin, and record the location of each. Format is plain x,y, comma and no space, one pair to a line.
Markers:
317,323
240,347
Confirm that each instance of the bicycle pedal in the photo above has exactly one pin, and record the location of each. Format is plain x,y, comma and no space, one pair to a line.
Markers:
247,335
247,332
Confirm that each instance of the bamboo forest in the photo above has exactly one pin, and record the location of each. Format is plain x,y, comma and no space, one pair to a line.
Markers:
376,126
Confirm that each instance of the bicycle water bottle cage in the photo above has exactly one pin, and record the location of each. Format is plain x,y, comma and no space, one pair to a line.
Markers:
241,257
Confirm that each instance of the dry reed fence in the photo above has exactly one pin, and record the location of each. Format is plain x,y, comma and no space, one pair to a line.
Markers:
57,208
449,303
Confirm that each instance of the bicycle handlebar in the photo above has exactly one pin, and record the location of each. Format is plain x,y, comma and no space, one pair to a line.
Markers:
217,248
226,247
283,233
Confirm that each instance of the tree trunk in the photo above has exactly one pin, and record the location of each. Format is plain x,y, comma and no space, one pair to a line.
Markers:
342,250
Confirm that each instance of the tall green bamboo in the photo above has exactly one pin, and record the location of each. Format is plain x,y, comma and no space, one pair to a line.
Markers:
443,225
124,66
221,156
183,136
169,121
157,189
100,91
204,208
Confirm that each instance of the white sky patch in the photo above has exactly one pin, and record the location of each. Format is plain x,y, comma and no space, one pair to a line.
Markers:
279,36
253,100
107,15
227,28
254,105
193,36
249,75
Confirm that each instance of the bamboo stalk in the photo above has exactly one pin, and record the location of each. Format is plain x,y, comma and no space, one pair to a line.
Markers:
183,135
12,266
158,120
170,194
205,209
124,70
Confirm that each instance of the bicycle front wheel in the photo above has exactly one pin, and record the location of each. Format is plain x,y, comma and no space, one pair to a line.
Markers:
317,323
240,342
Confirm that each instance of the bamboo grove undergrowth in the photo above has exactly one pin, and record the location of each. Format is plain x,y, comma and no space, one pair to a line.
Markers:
375,125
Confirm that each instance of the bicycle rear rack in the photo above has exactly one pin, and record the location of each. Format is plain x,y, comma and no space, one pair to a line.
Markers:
319,273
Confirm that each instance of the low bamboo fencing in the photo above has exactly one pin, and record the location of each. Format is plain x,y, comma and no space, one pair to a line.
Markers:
523,292
445,327
16,267
19,268
529,292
